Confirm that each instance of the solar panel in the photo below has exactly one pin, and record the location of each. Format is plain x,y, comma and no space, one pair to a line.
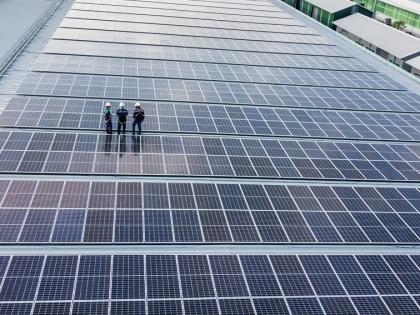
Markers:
214,72
240,9
287,45
190,21
179,30
48,84
222,56
151,155
191,12
240,283
261,130
180,212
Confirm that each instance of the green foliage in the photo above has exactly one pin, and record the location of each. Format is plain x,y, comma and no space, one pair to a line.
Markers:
399,25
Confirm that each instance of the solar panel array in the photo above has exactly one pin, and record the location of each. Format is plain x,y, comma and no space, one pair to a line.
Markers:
213,284
59,152
59,113
263,133
157,212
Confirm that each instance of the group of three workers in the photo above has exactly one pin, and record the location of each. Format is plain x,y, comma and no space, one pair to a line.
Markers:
122,114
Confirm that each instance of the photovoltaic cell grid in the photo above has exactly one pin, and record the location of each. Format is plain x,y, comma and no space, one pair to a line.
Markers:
156,212
62,113
240,54
236,12
263,7
214,284
53,152
196,6
193,12
191,22
213,72
131,88
198,42
301,33
150,52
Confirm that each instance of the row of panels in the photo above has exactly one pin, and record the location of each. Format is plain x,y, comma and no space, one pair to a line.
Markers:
61,113
370,284
300,34
239,306
270,16
194,12
254,6
102,226
202,196
128,51
213,72
28,152
95,86
200,42
199,6
183,21
241,2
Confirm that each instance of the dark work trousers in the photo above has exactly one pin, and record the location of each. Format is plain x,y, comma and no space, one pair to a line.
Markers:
123,124
108,127
138,123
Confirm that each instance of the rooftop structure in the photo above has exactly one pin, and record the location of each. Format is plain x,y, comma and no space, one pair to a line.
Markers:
391,44
277,172
332,6
326,11
407,11
414,63
408,5
388,39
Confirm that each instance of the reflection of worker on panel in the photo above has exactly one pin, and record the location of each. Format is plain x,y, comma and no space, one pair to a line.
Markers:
108,117
138,117
123,146
108,142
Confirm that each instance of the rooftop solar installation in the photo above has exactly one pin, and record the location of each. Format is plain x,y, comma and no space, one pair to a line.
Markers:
49,112
215,72
209,284
182,212
277,171
56,48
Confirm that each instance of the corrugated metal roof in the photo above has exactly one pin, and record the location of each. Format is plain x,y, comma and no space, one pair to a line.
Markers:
382,36
332,5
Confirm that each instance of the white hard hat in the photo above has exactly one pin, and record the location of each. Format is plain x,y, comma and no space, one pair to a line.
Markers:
122,104
108,104
137,104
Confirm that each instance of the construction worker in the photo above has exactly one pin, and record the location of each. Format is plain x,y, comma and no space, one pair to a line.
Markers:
108,117
122,114
138,117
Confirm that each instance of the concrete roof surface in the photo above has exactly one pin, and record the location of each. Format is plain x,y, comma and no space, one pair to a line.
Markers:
332,5
382,36
405,4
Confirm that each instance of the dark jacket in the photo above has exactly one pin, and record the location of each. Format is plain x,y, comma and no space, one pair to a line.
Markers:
138,114
122,114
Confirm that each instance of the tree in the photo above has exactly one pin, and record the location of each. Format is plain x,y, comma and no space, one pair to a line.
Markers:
399,25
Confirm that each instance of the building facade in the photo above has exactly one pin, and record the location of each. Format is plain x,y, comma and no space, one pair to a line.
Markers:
404,11
326,12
